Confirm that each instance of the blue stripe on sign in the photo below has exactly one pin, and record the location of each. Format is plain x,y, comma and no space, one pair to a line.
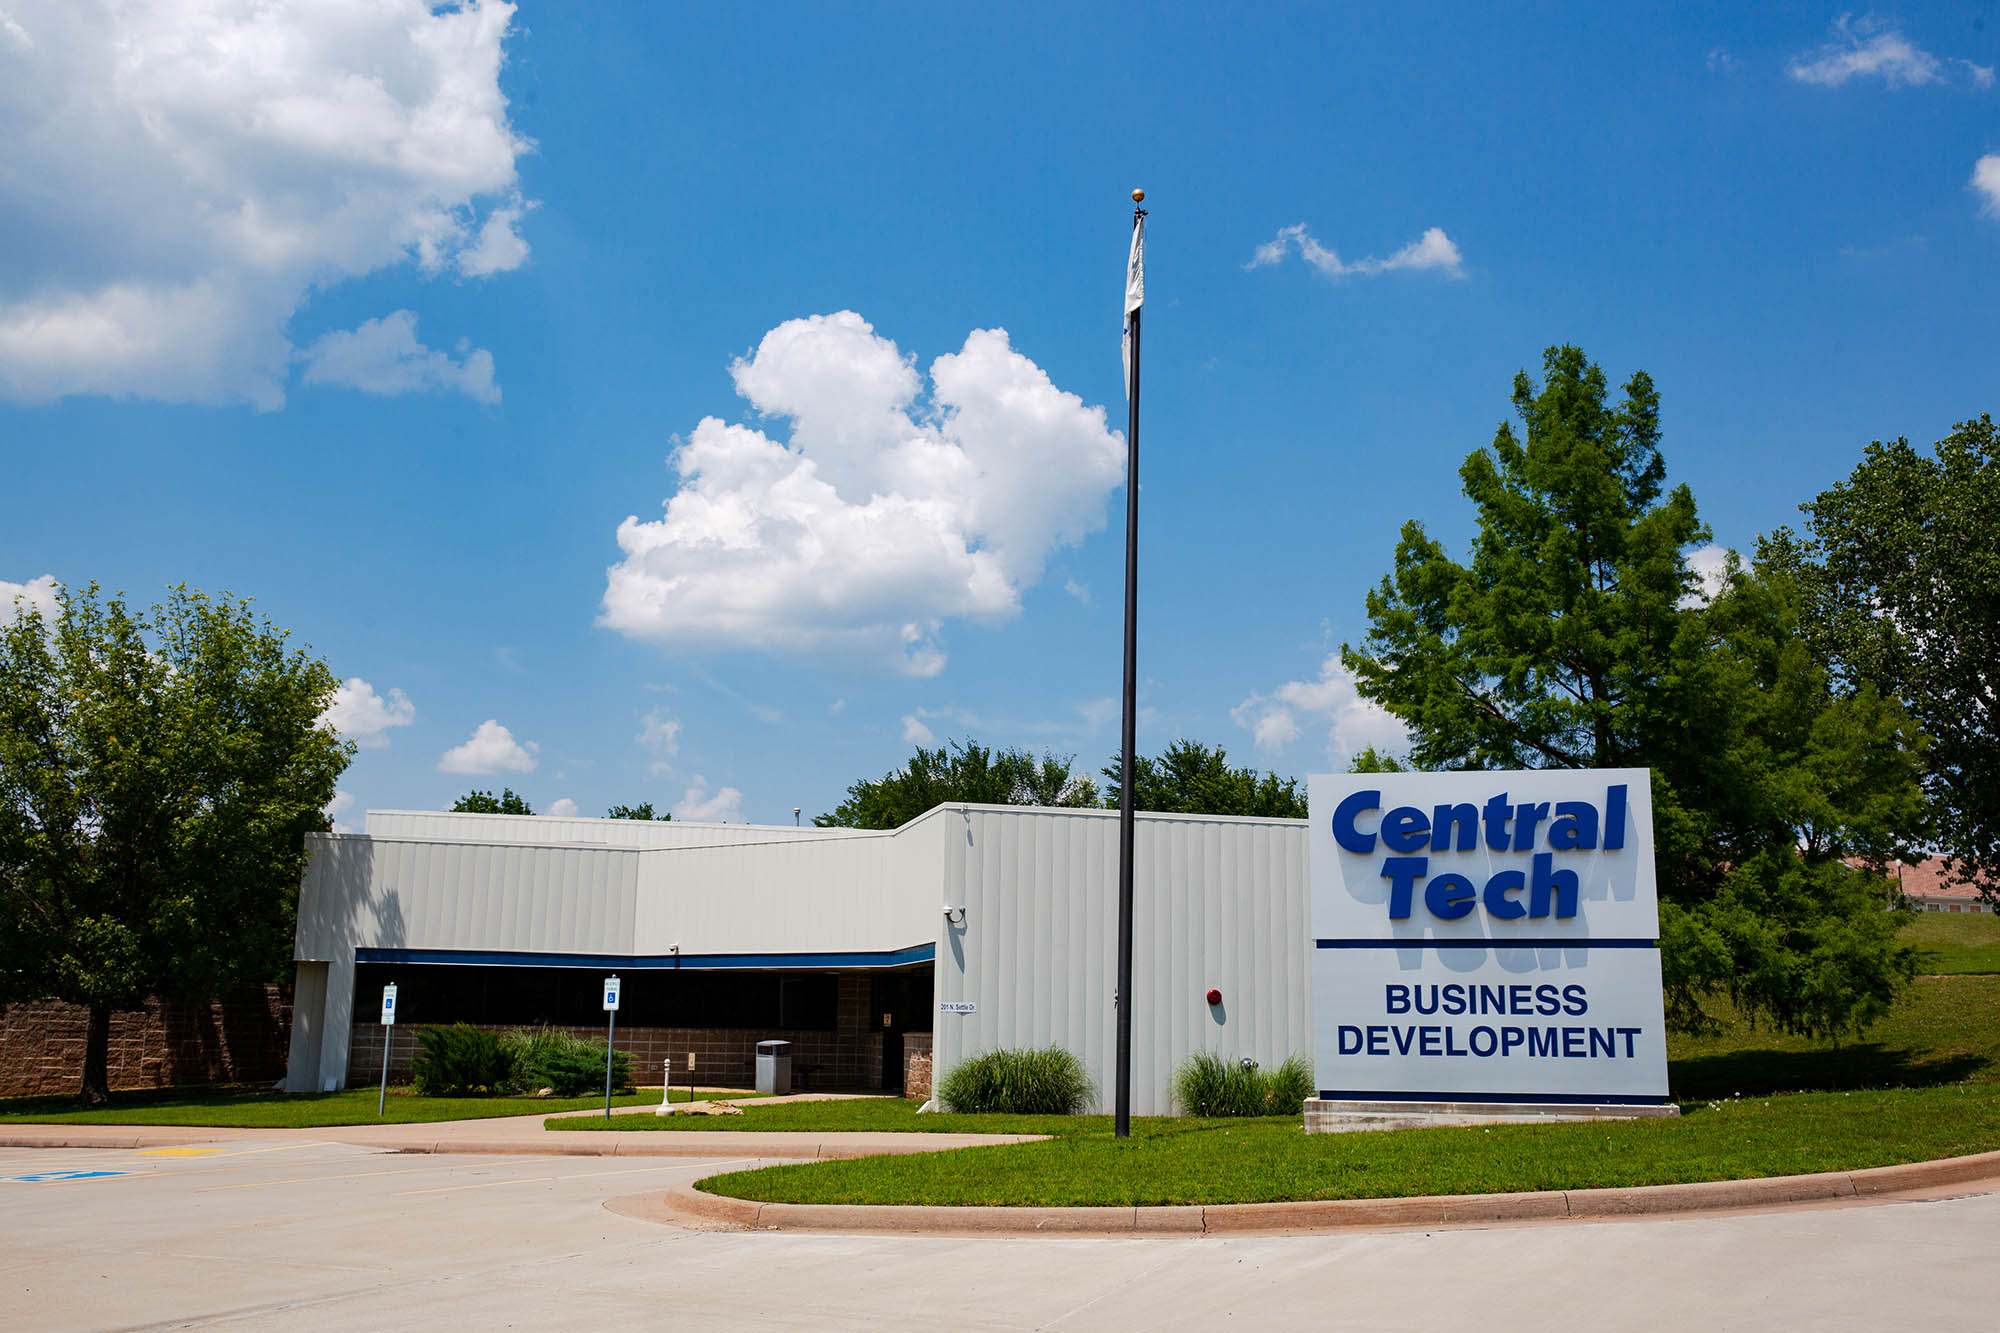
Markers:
1487,944
922,953
1538,1098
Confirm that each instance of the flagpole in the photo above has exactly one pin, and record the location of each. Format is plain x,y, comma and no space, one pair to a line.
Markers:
1127,761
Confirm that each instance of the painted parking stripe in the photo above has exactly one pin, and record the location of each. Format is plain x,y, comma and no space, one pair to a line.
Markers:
49,1177
482,1185
300,1180
180,1152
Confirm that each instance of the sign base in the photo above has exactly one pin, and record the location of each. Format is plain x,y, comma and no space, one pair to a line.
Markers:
1339,1117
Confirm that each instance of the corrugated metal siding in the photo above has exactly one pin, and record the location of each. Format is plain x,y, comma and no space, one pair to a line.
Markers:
824,896
407,894
1218,903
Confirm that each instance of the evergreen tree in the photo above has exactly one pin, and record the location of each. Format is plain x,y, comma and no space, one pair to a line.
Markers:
1578,637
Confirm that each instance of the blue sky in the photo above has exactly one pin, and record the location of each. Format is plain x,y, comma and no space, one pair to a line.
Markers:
389,317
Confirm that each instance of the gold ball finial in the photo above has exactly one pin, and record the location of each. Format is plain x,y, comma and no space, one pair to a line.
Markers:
1138,196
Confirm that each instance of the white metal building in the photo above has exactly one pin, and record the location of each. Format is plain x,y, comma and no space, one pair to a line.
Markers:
986,926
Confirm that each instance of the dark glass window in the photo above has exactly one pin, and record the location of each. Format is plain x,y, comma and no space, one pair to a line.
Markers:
573,996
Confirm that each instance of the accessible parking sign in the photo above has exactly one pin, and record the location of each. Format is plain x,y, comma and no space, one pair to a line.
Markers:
1486,937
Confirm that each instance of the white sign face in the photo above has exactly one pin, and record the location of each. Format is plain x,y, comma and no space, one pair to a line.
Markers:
389,1005
1486,936
957,1007
610,994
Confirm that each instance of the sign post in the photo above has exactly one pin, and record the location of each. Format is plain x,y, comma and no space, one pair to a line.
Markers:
610,1035
388,1035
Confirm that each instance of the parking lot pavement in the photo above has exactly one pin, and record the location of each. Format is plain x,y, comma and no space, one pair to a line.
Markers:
311,1234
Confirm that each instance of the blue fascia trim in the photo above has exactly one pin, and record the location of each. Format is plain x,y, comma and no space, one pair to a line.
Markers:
921,953
1537,1098
1488,944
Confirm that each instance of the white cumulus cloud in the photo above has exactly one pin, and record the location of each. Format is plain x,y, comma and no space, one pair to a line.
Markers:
1432,250
564,808
363,716
660,734
1352,723
383,356
1986,183
36,594
180,175
1710,567
492,749
342,803
886,512
1866,48
915,732
698,805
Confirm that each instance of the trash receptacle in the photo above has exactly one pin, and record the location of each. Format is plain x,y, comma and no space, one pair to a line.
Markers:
774,1068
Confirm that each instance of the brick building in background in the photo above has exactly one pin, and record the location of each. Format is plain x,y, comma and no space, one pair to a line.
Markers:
1927,889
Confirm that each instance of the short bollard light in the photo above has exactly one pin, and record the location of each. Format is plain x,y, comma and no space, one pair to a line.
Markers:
667,1092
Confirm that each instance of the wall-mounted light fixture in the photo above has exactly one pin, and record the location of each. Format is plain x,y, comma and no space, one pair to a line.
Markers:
955,915
1215,997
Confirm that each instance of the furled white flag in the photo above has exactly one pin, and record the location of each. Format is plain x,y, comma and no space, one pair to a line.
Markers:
1135,291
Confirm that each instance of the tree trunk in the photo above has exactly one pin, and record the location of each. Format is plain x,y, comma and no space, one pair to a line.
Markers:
96,1090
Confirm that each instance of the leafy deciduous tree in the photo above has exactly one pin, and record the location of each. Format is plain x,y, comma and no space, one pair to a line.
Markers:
960,772
1901,575
644,810
486,803
158,775
1191,778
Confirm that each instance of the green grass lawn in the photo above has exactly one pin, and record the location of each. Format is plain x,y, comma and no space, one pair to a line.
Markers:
1255,1161
849,1114
1924,1083
260,1108
1955,942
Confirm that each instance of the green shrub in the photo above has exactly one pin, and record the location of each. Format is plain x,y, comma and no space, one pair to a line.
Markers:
461,1060
564,1062
1208,1085
1048,1081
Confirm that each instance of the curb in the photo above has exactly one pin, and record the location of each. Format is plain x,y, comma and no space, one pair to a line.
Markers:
1882,1183
803,1147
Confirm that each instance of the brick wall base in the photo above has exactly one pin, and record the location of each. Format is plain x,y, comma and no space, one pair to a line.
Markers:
241,1038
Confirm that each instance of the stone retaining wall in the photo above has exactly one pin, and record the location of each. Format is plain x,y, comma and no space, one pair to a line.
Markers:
239,1039
917,1066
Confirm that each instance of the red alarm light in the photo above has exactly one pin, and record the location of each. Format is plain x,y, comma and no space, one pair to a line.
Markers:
1215,997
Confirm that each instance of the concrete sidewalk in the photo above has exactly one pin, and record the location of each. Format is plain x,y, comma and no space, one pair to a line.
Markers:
522,1134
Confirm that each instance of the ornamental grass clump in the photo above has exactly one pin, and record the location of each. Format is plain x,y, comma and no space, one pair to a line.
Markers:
564,1063
1045,1081
1208,1085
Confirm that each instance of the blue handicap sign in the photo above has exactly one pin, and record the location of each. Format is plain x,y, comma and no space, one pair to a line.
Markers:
44,1177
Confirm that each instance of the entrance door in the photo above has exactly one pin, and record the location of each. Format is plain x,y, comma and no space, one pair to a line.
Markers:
899,1002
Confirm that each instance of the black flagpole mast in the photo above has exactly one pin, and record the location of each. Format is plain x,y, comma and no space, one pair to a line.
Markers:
1126,759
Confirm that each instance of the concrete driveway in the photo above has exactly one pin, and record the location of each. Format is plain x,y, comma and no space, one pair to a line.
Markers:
309,1234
